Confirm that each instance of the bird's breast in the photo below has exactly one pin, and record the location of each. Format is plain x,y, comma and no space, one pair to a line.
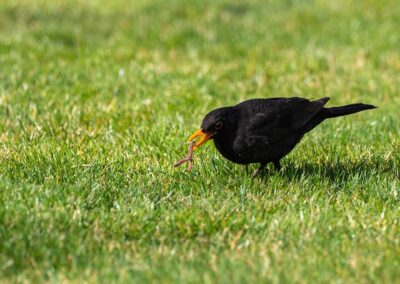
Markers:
225,147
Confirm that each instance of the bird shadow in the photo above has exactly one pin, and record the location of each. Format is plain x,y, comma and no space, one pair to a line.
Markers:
335,171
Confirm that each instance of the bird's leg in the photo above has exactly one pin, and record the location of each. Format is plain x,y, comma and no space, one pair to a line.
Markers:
247,169
277,165
262,166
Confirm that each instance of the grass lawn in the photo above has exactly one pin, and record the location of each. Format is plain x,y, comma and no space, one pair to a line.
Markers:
97,99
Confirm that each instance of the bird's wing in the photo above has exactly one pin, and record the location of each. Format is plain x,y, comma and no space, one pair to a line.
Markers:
272,121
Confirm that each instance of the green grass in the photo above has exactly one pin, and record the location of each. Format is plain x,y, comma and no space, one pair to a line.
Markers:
97,99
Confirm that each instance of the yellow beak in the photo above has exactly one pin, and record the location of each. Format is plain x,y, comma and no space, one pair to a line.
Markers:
204,138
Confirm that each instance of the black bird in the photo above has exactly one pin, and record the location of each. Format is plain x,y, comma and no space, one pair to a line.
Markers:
265,130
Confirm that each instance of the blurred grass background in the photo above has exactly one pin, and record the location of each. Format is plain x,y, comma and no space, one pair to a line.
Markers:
97,99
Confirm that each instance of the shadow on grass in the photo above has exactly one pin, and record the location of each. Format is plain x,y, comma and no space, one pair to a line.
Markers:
337,170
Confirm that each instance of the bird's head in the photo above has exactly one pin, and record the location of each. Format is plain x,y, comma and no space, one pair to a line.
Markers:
213,123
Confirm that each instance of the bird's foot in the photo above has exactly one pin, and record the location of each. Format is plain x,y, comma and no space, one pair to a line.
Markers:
277,165
258,171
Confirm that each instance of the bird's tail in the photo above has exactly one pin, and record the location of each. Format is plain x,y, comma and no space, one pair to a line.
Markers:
345,110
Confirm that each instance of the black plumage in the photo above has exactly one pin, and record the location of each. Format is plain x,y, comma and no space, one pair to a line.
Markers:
265,130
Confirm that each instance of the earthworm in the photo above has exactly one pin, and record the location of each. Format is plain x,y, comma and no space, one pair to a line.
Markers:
188,158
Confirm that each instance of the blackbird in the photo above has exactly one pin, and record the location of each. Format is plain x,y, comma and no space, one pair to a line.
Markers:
265,130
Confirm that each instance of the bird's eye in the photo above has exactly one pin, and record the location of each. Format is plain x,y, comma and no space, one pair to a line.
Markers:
218,125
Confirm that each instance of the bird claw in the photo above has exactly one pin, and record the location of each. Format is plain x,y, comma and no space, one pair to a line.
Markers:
258,171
